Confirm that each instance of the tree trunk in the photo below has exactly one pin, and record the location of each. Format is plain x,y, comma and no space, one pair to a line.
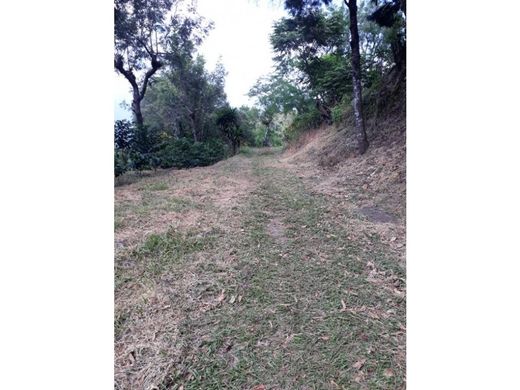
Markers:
136,108
193,127
138,93
325,113
356,78
267,142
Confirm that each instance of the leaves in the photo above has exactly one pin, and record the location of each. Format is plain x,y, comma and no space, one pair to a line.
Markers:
221,296
388,373
359,364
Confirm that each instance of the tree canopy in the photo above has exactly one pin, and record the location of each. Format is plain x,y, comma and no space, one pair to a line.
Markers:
325,56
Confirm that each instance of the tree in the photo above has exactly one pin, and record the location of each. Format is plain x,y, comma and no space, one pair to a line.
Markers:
307,8
276,97
183,100
356,78
391,15
143,32
250,123
310,48
228,121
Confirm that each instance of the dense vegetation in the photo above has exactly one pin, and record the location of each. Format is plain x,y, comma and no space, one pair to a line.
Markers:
181,114
318,76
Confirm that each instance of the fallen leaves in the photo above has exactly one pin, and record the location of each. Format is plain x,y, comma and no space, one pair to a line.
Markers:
388,373
359,364
221,296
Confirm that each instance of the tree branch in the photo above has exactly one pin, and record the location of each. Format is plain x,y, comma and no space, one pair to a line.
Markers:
155,67
129,75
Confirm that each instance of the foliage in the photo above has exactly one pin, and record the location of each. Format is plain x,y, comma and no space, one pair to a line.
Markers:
145,29
313,55
155,49
277,99
149,31
228,121
121,163
186,120
183,101
123,134
186,153
311,50
303,122
149,149
252,131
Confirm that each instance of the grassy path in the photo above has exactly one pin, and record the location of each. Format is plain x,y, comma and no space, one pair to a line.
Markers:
263,283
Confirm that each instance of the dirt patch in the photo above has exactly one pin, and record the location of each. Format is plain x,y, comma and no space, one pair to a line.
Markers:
276,230
373,214
223,185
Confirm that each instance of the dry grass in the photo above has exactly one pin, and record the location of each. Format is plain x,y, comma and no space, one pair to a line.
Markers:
260,270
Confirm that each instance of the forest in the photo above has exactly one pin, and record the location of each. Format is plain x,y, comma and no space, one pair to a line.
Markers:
330,59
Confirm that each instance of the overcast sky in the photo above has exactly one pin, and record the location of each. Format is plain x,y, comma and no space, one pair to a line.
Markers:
240,37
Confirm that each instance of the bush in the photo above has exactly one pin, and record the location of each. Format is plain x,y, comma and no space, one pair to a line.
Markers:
120,162
303,122
341,110
140,148
184,153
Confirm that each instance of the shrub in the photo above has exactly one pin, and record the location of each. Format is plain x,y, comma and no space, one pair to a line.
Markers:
341,110
120,162
184,153
141,148
123,134
303,122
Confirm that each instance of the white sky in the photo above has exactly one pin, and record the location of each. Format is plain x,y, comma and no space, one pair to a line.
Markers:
240,37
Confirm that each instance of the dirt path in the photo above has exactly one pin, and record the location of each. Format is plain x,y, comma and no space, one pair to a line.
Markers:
247,275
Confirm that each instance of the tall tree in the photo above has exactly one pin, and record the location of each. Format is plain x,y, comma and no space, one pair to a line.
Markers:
228,121
391,15
276,97
310,48
143,31
304,8
356,77
184,98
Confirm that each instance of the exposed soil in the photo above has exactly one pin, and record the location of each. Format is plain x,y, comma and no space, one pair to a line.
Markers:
374,214
276,230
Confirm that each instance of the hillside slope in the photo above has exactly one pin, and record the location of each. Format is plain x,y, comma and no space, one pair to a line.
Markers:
375,180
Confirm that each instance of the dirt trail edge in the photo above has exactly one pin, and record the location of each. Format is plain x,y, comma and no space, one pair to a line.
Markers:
244,275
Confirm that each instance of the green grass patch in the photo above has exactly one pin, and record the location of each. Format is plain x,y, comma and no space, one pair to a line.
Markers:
162,251
155,186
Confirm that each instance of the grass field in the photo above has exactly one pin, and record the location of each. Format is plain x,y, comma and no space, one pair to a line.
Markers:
247,275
